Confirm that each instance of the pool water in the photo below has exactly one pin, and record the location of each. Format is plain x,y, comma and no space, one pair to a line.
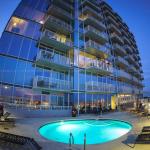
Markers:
97,131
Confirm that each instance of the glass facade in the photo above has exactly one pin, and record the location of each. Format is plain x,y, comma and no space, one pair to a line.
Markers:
56,54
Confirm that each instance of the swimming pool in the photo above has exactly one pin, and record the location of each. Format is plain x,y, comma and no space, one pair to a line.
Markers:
97,131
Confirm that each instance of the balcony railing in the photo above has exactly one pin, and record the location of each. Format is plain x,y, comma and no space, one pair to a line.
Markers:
126,40
89,20
97,48
135,79
130,59
114,28
110,13
112,20
51,84
51,39
52,60
101,87
116,38
59,12
133,69
96,35
58,25
125,89
119,49
124,74
99,67
89,11
92,3
63,4
128,49
121,61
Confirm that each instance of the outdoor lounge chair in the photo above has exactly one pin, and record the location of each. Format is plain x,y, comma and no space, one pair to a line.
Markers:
20,140
5,116
4,120
146,129
143,138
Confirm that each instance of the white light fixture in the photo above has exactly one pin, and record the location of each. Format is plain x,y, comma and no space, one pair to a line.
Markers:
6,87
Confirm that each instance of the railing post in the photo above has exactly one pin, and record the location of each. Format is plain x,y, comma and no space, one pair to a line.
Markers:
84,141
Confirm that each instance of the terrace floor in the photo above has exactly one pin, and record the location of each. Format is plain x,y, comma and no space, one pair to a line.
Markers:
29,127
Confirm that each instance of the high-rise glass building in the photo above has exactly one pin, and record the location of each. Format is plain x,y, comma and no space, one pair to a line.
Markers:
58,53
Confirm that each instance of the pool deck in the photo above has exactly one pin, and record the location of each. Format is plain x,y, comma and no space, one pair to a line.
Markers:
29,127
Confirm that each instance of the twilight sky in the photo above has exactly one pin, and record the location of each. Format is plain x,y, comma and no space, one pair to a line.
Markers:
136,13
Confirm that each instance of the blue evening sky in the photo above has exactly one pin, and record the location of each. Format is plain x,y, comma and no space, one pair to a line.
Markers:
136,13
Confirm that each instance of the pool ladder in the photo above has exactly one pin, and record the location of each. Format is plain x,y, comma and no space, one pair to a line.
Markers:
71,141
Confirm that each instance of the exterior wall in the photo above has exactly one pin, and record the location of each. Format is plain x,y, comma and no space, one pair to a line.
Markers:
59,54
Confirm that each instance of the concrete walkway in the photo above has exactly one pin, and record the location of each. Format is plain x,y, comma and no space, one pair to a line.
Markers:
29,127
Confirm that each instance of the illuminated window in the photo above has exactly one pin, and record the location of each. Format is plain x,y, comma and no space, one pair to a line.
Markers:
17,25
61,38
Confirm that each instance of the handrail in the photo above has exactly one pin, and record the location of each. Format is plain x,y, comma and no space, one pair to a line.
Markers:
84,141
71,140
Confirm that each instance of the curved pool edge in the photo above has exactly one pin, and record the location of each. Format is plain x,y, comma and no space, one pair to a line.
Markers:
81,119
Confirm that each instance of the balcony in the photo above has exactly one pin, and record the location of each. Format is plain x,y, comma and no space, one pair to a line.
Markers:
126,40
63,4
91,3
58,25
110,19
128,49
119,50
122,63
96,49
137,65
124,76
53,61
116,39
133,70
125,89
95,35
112,28
50,39
91,12
135,80
89,20
130,59
60,13
99,67
50,84
110,13
99,87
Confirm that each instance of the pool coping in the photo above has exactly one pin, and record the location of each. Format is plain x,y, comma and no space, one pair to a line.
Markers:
128,122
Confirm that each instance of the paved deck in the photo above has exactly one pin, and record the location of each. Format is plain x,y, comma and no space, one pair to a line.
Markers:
29,127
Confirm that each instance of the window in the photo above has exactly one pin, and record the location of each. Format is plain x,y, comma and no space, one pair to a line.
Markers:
15,46
25,48
5,42
24,27
29,74
20,70
33,51
17,25
9,70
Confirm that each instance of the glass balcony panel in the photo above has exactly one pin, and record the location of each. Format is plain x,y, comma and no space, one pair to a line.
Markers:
97,49
53,60
92,12
96,35
89,20
116,38
119,49
57,41
51,84
60,13
53,23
